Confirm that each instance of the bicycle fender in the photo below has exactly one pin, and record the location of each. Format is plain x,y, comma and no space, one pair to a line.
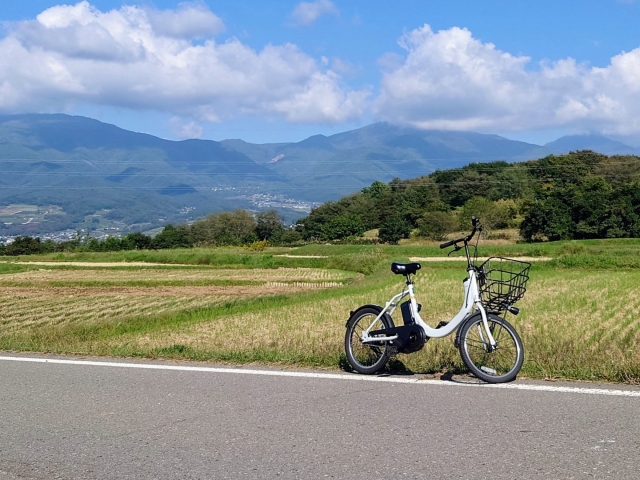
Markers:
456,342
378,308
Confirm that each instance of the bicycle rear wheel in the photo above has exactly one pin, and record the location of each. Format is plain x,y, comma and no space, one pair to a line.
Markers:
493,365
366,358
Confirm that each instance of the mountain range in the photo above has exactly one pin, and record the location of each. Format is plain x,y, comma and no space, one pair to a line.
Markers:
92,174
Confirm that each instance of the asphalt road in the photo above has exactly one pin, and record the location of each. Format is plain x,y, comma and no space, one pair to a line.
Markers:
103,422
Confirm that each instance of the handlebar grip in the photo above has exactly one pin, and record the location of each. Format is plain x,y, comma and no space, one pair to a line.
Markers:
448,244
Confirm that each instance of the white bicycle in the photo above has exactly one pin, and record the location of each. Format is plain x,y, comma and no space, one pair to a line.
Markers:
489,345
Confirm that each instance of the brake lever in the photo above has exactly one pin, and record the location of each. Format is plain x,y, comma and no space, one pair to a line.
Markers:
455,249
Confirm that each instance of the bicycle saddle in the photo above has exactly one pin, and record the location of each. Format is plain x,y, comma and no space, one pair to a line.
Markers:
405,268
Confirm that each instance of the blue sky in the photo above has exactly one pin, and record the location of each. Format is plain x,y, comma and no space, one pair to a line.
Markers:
284,70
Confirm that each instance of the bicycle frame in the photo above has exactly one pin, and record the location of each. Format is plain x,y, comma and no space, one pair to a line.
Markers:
471,303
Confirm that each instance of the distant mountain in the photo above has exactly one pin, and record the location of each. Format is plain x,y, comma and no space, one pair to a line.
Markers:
86,166
101,174
321,167
597,143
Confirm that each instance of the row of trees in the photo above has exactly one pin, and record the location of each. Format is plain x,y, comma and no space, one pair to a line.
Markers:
575,196
25,245
227,228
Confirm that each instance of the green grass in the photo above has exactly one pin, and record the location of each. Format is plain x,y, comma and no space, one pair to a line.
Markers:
580,317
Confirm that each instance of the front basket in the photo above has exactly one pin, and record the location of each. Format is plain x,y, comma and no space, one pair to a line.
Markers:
502,282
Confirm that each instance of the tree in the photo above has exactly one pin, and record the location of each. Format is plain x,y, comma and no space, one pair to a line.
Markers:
172,237
377,190
512,183
419,195
619,170
314,225
343,226
235,228
562,170
226,228
548,218
290,237
23,246
112,244
471,184
498,214
436,225
349,216
269,226
137,241
394,229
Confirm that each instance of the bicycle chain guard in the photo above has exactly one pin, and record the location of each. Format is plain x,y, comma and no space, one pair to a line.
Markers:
411,338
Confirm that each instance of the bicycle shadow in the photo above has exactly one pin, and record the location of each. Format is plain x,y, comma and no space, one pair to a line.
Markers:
450,377
396,368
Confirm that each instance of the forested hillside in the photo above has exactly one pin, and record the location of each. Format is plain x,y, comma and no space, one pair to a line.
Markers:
579,195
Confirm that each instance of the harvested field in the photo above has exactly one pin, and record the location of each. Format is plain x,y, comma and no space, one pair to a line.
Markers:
59,277
99,264
26,307
579,317
59,297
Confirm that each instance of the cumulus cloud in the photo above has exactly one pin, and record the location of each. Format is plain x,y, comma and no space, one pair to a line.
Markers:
307,13
189,21
185,130
450,80
141,58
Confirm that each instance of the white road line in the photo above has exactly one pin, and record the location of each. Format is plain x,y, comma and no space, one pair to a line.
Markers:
332,376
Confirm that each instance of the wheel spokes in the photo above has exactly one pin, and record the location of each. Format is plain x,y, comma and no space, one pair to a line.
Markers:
366,354
495,362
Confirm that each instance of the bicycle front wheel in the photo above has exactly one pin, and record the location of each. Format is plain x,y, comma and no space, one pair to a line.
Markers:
492,364
366,357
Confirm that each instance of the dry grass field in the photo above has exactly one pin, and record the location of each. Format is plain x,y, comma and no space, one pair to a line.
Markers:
191,276
576,322
573,326
56,297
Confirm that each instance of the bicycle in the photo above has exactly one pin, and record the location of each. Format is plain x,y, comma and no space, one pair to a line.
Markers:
489,345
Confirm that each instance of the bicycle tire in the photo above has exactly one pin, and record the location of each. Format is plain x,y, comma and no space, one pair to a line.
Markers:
366,358
492,366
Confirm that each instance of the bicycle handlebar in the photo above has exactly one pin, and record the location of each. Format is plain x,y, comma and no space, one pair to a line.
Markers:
475,222
449,243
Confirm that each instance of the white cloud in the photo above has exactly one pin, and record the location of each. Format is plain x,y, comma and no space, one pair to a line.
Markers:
450,80
307,13
185,130
171,61
139,58
189,21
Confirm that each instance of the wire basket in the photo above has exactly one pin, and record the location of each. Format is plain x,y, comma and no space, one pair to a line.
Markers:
502,282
